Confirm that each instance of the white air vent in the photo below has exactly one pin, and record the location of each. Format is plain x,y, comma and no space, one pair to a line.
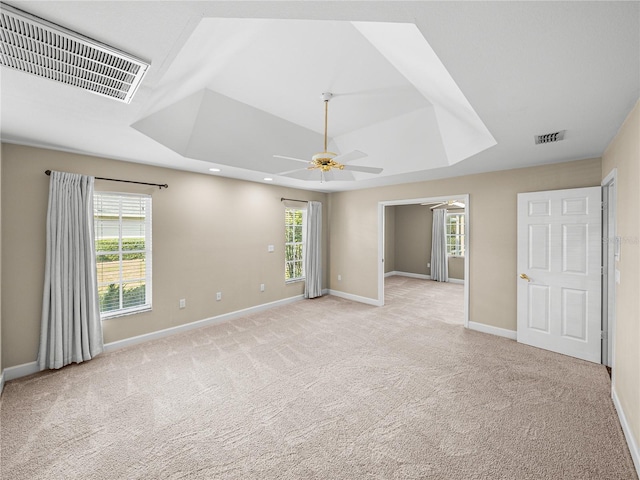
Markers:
41,48
550,137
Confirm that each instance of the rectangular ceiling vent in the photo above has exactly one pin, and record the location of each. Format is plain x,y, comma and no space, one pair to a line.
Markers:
550,137
33,45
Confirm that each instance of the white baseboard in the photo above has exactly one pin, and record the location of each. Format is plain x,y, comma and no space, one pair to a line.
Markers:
408,274
456,280
18,371
355,298
1,381
501,332
628,434
109,347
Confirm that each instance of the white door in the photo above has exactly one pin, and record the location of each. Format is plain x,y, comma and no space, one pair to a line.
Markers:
559,272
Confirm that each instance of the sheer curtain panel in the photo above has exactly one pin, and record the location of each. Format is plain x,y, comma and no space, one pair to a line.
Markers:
439,264
313,251
71,330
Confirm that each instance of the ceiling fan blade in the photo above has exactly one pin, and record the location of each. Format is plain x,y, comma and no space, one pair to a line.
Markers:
445,204
358,168
350,156
284,174
302,174
291,158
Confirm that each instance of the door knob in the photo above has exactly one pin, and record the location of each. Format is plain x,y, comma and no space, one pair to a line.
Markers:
524,276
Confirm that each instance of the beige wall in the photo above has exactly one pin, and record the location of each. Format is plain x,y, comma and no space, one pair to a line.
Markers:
413,238
456,268
492,231
210,234
623,154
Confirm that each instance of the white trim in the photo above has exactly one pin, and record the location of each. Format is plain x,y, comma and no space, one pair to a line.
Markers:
11,373
612,176
456,280
611,180
501,332
1,382
109,347
356,298
421,276
626,429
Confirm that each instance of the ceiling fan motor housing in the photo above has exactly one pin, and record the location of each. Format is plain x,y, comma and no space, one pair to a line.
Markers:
324,161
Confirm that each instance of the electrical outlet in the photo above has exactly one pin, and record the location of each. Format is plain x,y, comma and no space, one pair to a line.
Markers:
262,287
428,265
271,248
339,277
183,303
219,296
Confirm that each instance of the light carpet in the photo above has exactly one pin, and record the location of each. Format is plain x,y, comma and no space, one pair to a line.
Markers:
320,389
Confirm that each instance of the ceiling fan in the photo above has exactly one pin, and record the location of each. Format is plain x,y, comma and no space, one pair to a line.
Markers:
448,203
326,161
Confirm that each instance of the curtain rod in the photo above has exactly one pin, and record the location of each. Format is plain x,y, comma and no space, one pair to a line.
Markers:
293,200
159,185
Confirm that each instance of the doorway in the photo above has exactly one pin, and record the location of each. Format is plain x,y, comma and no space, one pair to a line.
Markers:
427,202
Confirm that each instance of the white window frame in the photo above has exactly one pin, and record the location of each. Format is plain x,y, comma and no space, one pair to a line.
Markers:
460,232
147,306
303,243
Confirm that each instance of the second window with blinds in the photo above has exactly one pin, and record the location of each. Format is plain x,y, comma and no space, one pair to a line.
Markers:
455,232
295,228
123,252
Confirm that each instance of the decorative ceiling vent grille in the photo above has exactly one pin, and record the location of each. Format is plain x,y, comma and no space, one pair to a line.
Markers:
33,45
550,137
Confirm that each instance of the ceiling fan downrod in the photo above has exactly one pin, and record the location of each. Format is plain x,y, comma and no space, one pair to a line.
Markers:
326,97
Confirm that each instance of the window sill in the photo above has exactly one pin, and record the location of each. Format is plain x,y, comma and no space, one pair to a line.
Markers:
125,313
294,280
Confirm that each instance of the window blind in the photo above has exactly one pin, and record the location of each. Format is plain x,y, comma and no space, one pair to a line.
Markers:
123,252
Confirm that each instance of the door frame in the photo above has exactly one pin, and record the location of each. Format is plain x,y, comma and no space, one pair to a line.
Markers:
417,201
609,235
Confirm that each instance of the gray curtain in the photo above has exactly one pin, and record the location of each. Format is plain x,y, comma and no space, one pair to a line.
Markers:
71,330
313,251
439,263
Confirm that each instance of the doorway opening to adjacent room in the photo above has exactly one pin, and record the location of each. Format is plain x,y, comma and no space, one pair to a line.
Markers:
414,262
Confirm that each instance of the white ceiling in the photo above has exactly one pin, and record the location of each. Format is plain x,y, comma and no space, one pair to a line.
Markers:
427,89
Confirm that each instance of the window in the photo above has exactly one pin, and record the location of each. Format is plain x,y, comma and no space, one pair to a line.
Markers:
122,225
455,231
295,223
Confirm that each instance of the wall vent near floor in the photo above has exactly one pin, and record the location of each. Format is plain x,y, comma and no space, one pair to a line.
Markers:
550,137
33,45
